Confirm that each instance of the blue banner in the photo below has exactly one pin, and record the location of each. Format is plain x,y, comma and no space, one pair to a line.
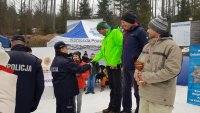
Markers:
194,76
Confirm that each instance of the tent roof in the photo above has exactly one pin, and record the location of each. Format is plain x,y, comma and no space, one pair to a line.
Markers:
77,32
83,33
5,41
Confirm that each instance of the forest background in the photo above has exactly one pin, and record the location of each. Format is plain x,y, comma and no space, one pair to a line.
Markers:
41,20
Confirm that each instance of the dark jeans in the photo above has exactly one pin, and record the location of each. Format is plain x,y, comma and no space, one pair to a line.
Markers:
115,83
65,105
127,83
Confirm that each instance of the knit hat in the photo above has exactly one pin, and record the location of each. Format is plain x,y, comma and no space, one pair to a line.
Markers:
4,57
129,17
18,37
102,25
59,45
159,24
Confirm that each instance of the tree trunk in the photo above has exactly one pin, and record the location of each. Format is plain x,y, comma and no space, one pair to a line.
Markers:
152,15
93,8
77,7
21,10
173,9
163,7
51,8
54,16
155,7
29,4
166,10
169,8
64,15
74,8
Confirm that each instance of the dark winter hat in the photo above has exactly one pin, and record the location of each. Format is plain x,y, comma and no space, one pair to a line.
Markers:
59,45
18,37
129,17
102,25
159,24
77,53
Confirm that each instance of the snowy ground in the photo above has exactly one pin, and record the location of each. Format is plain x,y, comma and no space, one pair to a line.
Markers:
93,103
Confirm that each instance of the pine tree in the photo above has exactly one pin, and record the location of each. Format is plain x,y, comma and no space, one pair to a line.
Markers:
103,10
84,10
3,12
144,12
185,11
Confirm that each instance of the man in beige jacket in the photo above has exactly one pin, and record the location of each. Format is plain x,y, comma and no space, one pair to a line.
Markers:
162,60
7,85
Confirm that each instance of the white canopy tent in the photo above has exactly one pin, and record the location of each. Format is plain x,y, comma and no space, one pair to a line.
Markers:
84,33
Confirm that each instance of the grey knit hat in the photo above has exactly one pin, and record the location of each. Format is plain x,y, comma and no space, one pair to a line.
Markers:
159,24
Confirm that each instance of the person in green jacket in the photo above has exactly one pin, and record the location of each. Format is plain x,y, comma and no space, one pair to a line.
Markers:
111,51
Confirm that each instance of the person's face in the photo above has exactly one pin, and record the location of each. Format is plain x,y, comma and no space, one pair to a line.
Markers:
64,50
102,31
152,33
76,58
92,56
47,61
13,43
125,25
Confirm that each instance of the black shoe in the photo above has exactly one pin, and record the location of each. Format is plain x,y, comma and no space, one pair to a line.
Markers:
114,112
124,112
87,92
93,92
107,110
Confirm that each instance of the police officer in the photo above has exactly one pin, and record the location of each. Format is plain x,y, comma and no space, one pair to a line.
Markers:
30,83
64,78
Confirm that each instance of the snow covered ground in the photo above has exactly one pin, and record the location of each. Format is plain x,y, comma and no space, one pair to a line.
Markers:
93,103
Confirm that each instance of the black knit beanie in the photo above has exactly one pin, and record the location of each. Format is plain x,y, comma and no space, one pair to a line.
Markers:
129,17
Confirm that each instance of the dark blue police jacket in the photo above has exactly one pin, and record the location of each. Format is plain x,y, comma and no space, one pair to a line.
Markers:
133,43
64,76
30,83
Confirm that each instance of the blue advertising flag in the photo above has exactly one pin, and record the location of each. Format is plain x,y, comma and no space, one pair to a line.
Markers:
194,76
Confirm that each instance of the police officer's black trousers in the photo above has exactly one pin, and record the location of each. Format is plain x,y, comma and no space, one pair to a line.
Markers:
115,83
127,82
65,105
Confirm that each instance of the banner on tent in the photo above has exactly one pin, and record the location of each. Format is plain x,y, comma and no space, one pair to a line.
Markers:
194,76
85,41
75,41
46,54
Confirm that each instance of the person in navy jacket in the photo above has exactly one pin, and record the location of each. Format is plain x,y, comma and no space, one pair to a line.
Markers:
30,83
135,38
64,78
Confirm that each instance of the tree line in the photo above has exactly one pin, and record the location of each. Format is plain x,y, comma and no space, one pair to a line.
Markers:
41,17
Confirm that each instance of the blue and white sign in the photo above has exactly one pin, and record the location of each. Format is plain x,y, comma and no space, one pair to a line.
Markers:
194,76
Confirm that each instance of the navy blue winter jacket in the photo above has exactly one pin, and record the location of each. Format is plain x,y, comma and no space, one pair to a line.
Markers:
30,83
133,43
64,76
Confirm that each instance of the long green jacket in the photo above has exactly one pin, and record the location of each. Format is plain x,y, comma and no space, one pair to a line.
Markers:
111,49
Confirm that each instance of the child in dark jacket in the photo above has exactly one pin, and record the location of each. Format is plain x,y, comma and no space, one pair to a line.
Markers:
91,80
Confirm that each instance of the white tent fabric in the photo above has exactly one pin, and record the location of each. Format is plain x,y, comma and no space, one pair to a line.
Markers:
84,33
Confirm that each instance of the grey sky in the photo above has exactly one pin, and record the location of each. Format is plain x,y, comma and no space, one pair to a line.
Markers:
58,4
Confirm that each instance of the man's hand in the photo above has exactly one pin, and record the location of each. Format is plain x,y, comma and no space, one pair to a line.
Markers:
113,67
138,79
